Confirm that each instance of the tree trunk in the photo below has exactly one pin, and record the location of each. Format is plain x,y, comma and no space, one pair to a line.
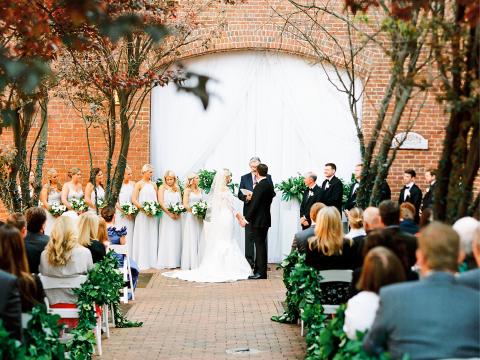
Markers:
42,147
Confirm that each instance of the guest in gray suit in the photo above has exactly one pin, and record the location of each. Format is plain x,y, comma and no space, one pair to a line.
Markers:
300,239
471,278
435,317
10,304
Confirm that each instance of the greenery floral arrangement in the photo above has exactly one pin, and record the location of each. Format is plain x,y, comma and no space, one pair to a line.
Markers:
57,209
176,208
100,204
199,209
292,188
206,179
79,205
346,188
152,208
129,209
159,182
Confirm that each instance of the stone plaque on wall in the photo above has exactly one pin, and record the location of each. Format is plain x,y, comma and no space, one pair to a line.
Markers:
412,141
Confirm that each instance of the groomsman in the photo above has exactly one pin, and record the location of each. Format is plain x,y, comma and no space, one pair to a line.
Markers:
248,182
431,178
310,197
352,196
411,192
332,188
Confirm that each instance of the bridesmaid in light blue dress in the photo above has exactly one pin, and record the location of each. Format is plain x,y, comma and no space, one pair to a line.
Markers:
170,232
193,226
93,192
125,196
51,193
145,235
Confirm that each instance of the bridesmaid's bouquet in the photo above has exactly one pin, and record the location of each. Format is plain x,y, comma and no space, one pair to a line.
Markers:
101,204
199,209
176,208
79,205
57,209
152,208
129,209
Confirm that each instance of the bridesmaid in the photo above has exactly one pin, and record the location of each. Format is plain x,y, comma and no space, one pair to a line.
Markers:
170,232
192,228
145,235
51,193
125,196
96,177
72,189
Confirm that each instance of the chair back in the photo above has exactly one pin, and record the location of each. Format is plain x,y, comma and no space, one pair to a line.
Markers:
119,249
336,276
50,282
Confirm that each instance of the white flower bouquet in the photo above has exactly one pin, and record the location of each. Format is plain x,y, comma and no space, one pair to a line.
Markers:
152,208
101,204
79,205
57,209
199,209
129,209
176,208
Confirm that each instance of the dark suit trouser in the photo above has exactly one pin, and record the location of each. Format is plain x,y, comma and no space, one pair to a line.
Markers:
259,236
249,246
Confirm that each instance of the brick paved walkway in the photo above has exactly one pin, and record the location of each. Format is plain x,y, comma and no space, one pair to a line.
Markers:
184,320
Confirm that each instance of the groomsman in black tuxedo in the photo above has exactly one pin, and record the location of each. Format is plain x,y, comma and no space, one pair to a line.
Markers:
312,195
259,218
332,188
352,196
248,182
431,178
411,192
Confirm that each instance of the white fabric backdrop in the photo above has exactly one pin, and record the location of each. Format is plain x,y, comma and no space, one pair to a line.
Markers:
271,105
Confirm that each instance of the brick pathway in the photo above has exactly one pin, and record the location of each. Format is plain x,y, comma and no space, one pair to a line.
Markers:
184,320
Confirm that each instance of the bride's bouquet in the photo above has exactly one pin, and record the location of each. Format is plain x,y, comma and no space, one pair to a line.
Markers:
79,205
176,208
129,209
152,208
57,209
199,209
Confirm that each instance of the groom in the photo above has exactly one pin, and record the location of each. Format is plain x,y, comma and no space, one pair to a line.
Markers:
258,216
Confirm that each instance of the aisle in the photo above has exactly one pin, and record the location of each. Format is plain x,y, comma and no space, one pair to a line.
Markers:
205,321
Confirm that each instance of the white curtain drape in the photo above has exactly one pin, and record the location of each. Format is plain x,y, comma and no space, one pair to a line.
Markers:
271,105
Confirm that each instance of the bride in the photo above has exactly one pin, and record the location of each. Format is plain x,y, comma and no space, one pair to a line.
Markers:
222,259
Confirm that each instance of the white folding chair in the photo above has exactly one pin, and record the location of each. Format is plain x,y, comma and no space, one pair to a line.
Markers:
126,270
50,283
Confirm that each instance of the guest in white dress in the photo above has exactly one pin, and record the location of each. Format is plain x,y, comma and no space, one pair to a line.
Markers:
170,231
51,193
381,267
145,235
192,227
125,196
92,193
70,190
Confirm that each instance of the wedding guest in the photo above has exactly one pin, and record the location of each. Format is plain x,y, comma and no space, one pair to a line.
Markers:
94,193
300,239
352,196
64,257
35,241
311,195
125,197
88,236
10,305
18,221
170,229
411,192
332,188
72,190
357,232
472,277
145,235
51,194
381,267
102,233
417,317
192,228
431,179
407,215
466,228
371,219
426,218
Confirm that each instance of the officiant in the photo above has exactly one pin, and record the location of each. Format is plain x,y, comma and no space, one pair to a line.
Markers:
312,195
247,183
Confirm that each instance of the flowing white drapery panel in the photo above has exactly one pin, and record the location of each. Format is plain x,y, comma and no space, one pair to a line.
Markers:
265,104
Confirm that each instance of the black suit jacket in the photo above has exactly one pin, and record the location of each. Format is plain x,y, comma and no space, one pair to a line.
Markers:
333,195
34,245
247,183
415,198
308,201
258,213
10,304
352,198
428,197
385,192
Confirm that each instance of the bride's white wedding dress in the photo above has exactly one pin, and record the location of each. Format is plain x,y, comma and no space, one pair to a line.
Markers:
222,260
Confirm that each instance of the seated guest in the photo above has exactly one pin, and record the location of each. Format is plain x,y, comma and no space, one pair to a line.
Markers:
426,217
64,257
434,318
10,305
381,267
88,235
35,241
18,220
407,216
472,277
300,239
328,249
357,232
466,228
13,259
371,219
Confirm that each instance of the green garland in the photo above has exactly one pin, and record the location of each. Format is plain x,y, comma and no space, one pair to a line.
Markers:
10,348
292,188
206,179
